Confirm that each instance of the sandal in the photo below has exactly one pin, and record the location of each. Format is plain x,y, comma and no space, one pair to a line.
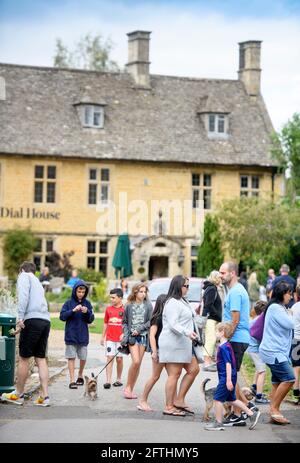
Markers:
186,410
174,412
73,386
80,382
117,384
278,419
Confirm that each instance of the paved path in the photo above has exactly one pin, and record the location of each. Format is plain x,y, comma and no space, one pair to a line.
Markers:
113,419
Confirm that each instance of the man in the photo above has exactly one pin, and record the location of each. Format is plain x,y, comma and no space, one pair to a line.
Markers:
237,312
284,276
34,325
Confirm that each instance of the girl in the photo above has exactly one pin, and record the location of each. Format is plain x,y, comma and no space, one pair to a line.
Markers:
157,368
136,324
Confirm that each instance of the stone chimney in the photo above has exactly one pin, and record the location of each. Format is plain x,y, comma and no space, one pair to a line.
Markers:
249,66
138,57
2,88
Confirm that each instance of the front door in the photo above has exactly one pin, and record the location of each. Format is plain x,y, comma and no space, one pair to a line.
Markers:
158,267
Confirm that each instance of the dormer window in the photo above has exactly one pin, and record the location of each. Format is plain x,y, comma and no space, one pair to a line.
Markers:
93,116
217,125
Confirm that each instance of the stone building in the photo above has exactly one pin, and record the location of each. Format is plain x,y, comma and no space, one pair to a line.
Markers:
85,156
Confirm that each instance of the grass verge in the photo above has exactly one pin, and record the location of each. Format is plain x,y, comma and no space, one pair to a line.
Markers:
95,327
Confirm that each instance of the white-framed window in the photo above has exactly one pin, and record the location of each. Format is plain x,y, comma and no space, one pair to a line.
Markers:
249,185
98,185
97,255
43,247
44,183
93,116
201,189
194,254
217,125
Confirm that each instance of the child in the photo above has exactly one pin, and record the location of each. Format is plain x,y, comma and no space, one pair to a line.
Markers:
112,335
77,312
260,366
227,373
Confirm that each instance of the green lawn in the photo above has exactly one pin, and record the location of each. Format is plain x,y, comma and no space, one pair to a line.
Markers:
95,327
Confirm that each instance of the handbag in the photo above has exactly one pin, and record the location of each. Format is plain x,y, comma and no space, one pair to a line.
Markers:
257,329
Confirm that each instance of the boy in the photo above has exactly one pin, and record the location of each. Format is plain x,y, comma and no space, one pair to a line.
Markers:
77,312
227,373
112,335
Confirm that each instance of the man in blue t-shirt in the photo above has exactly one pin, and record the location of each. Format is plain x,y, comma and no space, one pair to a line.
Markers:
284,276
237,312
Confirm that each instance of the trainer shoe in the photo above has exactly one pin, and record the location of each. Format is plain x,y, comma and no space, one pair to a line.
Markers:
42,401
215,426
254,419
13,398
252,407
211,368
234,420
262,400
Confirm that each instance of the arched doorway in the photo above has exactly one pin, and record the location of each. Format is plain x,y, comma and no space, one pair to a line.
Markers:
158,267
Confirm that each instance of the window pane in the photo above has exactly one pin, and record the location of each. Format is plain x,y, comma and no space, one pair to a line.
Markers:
104,194
38,192
88,115
51,172
195,198
194,251
196,179
97,118
49,246
244,181
50,192
91,262
92,194
255,182
193,268
103,265
244,193
91,247
221,124
105,175
93,174
37,261
207,199
207,180
38,245
255,193
211,126
103,247
39,172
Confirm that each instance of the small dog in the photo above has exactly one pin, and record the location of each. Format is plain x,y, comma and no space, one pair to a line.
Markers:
91,386
209,399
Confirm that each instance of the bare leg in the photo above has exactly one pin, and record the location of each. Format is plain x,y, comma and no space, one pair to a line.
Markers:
109,369
22,374
174,372
218,406
260,382
296,373
192,370
119,368
43,374
71,366
81,368
278,394
137,353
240,396
157,368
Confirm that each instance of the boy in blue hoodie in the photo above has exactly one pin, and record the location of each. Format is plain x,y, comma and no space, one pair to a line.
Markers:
77,312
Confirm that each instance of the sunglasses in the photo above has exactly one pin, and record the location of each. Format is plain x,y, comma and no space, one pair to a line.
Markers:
186,286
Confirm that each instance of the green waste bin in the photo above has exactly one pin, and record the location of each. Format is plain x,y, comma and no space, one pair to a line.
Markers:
7,353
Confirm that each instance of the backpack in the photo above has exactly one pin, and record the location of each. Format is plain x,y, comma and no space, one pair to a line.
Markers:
257,329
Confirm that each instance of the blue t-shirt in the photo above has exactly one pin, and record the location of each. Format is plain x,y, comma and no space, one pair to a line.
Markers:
253,343
237,299
225,355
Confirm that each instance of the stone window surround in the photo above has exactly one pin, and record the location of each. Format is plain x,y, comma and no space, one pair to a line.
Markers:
201,187
249,190
97,255
46,180
99,183
42,254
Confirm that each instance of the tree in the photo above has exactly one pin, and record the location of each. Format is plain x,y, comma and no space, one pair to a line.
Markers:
286,150
210,255
89,53
60,266
18,245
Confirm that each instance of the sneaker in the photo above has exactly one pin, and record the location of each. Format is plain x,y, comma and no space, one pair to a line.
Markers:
254,419
107,385
233,420
13,398
253,390
252,407
42,402
212,368
262,400
215,426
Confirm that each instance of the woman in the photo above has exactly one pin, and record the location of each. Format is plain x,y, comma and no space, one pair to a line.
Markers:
136,324
253,289
212,309
157,368
175,346
275,348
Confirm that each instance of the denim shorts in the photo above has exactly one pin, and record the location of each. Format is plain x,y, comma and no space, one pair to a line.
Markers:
281,372
141,340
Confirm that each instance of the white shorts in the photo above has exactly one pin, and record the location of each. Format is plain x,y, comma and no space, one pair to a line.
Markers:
111,349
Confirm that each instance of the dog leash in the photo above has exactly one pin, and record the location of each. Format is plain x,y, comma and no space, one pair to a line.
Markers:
95,377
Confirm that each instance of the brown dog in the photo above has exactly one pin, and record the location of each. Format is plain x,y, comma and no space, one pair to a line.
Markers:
91,386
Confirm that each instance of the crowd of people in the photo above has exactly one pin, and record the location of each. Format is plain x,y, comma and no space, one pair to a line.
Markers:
172,333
